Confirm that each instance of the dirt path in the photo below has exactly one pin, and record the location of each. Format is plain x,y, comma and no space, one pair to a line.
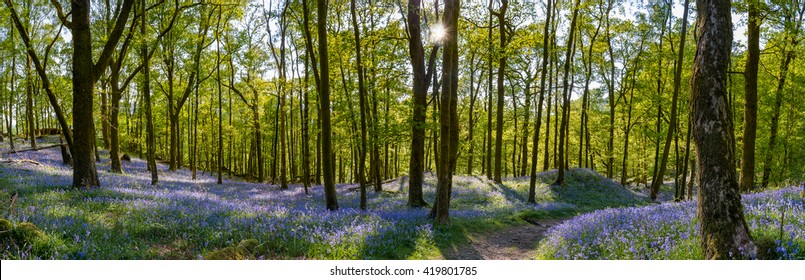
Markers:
515,243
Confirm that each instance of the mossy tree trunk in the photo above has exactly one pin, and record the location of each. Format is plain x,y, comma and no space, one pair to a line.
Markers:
724,233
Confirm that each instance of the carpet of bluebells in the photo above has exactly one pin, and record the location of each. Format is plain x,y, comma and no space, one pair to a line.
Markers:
670,231
182,218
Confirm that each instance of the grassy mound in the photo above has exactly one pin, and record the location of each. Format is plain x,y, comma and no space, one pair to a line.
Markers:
584,190
26,241
245,249
670,231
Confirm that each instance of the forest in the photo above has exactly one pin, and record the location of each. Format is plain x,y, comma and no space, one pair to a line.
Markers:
393,129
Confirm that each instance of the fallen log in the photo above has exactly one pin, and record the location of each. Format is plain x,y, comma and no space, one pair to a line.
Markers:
35,149
21,161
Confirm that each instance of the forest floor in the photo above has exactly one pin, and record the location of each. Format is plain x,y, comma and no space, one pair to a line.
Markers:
185,218
591,217
513,243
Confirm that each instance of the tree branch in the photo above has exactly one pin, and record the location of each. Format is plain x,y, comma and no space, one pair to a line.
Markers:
50,46
62,16
114,38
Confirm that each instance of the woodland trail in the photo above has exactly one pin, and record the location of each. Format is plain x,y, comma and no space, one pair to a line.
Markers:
514,243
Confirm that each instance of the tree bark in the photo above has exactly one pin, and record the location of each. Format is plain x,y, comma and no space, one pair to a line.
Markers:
588,74
324,112
489,154
421,79
29,103
473,98
560,179
524,142
362,97
501,70
545,58
747,180
220,117
146,84
85,73
613,101
448,115
723,229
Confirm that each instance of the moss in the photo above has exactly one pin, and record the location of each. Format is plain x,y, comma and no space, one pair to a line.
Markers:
248,247
5,228
26,232
766,249
153,230
226,253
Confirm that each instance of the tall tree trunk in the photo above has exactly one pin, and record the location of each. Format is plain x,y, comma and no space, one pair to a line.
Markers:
84,171
658,179
282,91
312,59
194,160
686,161
305,130
588,69
489,99
105,114
29,103
421,80
473,95
613,101
114,125
448,117
545,58
551,82
560,179
324,112
723,229
378,181
220,117
11,93
146,84
747,180
501,71
362,97
524,142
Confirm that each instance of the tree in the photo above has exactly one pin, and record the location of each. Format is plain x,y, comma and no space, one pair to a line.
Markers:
310,59
471,113
421,82
562,164
324,111
610,83
747,180
220,117
658,178
535,154
489,66
280,61
791,28
362,97
85,74
448,115
501,13
584,133
146,92
723,229
115,66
